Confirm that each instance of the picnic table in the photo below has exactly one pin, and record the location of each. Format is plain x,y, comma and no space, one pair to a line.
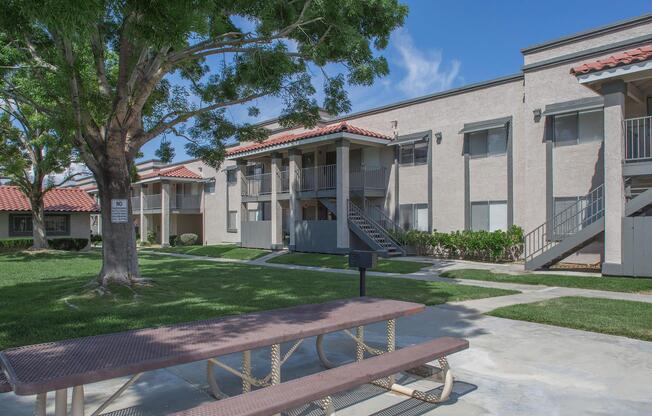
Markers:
57,366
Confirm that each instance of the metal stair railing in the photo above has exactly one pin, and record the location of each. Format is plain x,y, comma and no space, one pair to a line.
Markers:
567,222
389,241
382,219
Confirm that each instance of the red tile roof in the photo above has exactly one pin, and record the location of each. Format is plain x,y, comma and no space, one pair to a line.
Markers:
322,131
175,172
642,53
55,200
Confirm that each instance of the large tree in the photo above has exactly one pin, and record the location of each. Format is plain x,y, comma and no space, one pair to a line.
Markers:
31,154
127,71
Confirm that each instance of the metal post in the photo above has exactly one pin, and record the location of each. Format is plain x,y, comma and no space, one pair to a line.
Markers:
363,282
77,401
61,402
39,409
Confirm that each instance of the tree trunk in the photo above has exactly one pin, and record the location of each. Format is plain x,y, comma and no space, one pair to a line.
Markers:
120,260
38,226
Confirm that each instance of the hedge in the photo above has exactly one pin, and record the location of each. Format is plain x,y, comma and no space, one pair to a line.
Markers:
186,239
496,246
16,244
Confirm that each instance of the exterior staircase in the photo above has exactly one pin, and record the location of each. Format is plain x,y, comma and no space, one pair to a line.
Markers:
372,232
565,233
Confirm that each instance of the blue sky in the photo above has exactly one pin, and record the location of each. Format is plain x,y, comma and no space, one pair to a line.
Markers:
445,45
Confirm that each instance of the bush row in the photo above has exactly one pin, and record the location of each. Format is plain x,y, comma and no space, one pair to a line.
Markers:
496,246
15,244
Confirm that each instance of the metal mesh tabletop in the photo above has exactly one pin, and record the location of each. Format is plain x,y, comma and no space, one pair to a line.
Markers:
4,384
56,365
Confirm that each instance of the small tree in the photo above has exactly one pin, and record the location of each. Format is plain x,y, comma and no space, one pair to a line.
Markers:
165,151
31,152
124,72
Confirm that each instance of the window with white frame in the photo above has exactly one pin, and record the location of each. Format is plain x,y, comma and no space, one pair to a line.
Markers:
491,142
232,221
415,153
489,215
413,216
577,127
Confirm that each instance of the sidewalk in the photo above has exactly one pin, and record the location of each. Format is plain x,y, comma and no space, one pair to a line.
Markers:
529,293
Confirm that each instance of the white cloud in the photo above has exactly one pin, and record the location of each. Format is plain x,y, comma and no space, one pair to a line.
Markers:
424,71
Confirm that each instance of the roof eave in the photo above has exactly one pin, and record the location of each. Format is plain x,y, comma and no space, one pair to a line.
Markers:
310,140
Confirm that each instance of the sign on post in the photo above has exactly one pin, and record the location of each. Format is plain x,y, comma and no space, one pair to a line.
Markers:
119,211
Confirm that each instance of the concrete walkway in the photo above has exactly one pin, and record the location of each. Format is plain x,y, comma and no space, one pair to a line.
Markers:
529,293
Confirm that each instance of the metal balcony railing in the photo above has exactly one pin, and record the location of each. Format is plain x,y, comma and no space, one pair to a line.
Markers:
152,201
368,178
255,185
565,223
638,140
135,203
185,202
284,176
317,178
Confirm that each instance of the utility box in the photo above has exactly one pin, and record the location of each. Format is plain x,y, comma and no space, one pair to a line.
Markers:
363,259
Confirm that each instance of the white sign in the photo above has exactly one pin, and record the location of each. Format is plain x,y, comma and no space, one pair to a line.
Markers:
119,211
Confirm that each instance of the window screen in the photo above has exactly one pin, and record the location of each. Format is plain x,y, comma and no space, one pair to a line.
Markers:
497,141
231,176
478,144
414,153
405,216
591,126
497,216
20,225
209,187
421,217
480,216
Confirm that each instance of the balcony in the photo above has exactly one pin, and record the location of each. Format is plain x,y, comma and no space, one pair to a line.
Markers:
261,184
152,202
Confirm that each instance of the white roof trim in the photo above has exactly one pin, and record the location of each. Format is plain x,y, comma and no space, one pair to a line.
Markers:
310,140
616,72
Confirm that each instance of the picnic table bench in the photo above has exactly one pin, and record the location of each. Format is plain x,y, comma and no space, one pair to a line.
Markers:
57,366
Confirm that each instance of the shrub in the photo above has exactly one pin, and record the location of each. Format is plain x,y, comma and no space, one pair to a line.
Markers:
173,240
143,243
493,246
16,244
151,237
68,244
186,239
96,238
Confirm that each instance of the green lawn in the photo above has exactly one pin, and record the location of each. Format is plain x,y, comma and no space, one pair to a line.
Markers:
335,261
612,284
42,296
226,251
608,316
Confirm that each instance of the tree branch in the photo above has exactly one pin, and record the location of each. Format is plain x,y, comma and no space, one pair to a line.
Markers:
97,45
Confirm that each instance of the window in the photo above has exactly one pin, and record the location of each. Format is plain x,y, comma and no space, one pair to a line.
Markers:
232,221
577,127
209,187
414,153
231,176
414,216
20,225
55,225
488,142
489,215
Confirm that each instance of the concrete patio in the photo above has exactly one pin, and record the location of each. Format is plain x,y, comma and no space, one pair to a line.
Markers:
512,368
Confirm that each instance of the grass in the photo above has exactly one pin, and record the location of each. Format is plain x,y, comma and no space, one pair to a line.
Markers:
335,261
611,284
42,295
607,316
225,251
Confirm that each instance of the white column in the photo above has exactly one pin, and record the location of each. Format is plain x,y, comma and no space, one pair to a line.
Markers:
295,204
143,218
242,211
342,169
165,214
614,191
276,211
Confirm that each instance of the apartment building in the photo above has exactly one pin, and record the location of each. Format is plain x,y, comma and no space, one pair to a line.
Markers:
562,149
